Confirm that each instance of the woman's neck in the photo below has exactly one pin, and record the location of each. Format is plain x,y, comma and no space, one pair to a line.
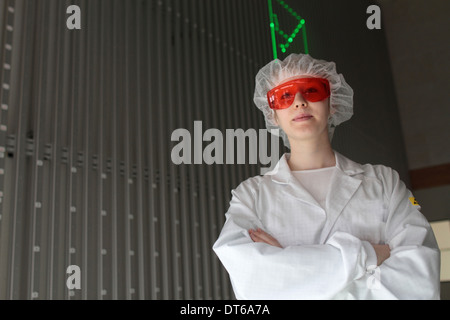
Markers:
311,154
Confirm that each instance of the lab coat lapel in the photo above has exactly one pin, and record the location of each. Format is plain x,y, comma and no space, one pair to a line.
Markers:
295,189
342,187
292,187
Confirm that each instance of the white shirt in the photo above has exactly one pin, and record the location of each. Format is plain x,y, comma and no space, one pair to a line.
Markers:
327,253
316,181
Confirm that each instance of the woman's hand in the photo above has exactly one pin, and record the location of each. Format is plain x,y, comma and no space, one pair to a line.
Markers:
259,235
383,252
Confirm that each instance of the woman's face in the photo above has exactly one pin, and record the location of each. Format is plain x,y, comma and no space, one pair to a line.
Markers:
304,120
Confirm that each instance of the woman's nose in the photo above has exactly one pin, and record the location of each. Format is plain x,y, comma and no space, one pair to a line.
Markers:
299,101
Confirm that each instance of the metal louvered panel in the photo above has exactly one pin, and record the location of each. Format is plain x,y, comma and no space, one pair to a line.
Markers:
86,176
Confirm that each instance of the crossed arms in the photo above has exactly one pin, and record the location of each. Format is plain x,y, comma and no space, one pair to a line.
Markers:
381,250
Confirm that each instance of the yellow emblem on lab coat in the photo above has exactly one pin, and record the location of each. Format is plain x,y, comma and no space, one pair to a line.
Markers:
413,201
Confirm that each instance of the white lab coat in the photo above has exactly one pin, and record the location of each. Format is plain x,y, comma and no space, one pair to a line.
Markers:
327,254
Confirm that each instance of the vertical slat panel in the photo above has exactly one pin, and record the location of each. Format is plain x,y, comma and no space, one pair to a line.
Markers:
231,101
83,158
107,197
179,99
66,102
205,172
197,182
97,231
84,155
212,107
126,109
138,12
77,129
225,95
198,65
6,14
52,156
39,244
189,78
243,98
18,119
160,115
221,93
91,210
151,153
59,159
172,109
5,59
121,133
115,162
250,56
36,139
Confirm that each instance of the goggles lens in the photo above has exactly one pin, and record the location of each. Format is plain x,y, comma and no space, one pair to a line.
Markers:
312,90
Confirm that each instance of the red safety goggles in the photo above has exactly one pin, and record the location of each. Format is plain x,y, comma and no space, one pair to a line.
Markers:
312,89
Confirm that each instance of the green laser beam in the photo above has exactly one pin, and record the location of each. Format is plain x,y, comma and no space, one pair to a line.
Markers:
288,37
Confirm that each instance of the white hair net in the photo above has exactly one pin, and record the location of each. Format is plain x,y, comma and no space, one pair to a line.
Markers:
276,71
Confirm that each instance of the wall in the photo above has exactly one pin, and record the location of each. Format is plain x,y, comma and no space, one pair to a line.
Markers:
416,33
88,178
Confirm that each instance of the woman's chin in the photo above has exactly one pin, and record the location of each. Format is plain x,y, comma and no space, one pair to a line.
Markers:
306,134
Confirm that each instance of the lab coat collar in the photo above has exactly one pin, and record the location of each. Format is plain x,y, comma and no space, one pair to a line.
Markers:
282,173
342,187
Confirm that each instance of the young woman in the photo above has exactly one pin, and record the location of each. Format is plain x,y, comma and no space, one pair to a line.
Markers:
320,226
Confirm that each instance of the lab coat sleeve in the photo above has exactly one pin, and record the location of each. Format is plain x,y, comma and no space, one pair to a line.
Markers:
413,268
262,271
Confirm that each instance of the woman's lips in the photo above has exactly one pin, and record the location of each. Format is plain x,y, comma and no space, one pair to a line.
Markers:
304,117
